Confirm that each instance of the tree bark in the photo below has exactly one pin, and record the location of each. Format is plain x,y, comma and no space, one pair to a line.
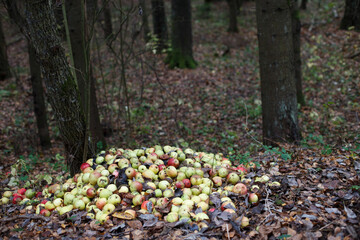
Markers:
296,29
181,54
159,22
351,16
145,22
232,15
80,46
4,63
39,99
108,28
303,4
61,87
276,56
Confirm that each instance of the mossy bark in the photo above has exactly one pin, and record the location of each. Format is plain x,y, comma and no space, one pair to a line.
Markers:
4,63
39,99
181,55
62,91
277,72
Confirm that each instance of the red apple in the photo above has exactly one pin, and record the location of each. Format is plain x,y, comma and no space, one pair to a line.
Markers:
100,203
146,204
173,162
161,167
38,194
187,183
21,191
84,165
253,198
44,201
136,186
180,184
45,213
17,199
91,192
240,188
130,173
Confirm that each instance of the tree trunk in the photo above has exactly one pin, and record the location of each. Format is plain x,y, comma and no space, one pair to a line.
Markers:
232,15
145,22
108,28
4,63
159,22
39,99
296,29
276,56
80,41
303,4
62,91
181,55
351,16
238,6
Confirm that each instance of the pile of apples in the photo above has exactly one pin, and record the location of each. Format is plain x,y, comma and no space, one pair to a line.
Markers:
145,181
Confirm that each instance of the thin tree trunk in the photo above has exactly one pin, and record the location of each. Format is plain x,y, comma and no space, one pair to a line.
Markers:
145,22
232,15
351,16
39,99
303,4
159,22
61,87
4,63
181,55
108,28
276,56
79,38
296,29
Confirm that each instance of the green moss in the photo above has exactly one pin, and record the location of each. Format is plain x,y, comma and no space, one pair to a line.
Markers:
176,59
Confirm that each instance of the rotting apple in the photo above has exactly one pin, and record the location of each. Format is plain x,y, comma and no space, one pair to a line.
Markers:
136,186
138,200
240,188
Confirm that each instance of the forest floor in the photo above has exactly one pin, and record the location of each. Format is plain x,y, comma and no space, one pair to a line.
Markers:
214,108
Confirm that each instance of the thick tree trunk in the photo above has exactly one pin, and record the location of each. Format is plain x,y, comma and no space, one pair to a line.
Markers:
62,91
296,29
145,22
278,89
79,38
351,16
107,26
4,64
181,55
232,15
39,99
159,22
